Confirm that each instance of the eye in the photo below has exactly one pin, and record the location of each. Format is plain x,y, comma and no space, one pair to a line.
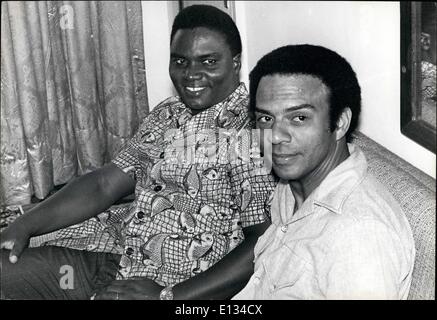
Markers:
300,118
264,119
179,61
210,62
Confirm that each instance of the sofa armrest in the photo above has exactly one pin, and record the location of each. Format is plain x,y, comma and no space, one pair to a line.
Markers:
415,192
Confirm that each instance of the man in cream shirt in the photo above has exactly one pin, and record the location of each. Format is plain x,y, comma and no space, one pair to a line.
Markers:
336,233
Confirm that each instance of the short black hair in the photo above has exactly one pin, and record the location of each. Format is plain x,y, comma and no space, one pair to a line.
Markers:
212,18
328,66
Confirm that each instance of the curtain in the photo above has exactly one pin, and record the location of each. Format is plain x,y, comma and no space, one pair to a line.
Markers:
73,90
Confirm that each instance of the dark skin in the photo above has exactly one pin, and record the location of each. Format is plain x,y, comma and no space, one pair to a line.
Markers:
202,67
204,72
81,199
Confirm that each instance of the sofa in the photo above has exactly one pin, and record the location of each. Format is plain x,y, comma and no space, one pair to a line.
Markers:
415,191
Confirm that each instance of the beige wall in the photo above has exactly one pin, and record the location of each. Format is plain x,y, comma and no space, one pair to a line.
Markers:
365,33
157,20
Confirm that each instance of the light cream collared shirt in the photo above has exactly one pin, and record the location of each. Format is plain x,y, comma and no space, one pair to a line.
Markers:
349,240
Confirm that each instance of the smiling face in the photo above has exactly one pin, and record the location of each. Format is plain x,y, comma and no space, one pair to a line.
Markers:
296,109
202,68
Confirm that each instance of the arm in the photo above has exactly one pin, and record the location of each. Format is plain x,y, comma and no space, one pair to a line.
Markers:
222,281
83,198
228,276
364,262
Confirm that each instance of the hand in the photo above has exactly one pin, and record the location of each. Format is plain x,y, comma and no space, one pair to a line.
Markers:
132,289
15,238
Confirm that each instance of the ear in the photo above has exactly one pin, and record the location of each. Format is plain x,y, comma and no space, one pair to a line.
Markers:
236,60
343,123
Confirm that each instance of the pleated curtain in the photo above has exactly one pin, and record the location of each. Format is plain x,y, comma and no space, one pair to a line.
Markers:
73,90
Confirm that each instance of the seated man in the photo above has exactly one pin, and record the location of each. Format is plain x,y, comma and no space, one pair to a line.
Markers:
191,229
336,233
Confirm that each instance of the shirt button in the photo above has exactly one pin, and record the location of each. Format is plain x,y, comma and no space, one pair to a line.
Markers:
284,228
140,215
129,251
233,207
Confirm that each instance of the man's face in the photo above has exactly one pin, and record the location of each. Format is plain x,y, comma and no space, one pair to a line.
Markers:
296,109
202,68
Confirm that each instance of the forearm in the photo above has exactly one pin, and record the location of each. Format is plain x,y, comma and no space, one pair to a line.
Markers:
227,277
82,198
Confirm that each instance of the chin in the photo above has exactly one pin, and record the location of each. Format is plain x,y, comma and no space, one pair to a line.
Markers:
197,108
286,173
194,103
198,105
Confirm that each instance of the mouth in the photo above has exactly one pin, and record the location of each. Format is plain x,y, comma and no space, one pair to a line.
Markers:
283,159
194,90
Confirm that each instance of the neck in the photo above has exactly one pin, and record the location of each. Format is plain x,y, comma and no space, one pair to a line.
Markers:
302,188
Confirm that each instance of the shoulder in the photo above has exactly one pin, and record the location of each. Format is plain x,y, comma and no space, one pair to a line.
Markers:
347,236
371,215
163,112
371,200
168,104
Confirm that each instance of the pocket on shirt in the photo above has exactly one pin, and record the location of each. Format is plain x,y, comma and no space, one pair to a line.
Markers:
283,268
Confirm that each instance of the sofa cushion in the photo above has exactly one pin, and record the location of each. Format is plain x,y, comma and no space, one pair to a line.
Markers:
415,191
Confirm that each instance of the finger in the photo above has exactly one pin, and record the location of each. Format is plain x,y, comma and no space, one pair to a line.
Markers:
9,245
100,296
16,251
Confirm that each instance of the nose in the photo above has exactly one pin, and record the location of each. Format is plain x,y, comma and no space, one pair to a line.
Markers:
193,72
280,134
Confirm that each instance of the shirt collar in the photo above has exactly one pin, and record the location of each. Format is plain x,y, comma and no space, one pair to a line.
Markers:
237,94
231,102
341,182
330,194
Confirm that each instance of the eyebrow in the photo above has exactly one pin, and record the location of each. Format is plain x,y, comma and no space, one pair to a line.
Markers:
201,57
289,109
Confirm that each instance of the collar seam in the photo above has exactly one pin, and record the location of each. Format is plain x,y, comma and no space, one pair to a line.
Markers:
344,198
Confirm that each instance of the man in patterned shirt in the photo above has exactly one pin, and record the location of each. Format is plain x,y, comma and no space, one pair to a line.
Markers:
199,206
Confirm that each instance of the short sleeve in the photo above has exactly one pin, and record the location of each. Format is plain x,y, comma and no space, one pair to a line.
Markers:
128,159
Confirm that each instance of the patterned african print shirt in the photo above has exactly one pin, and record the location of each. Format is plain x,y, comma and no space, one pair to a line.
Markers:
196,189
